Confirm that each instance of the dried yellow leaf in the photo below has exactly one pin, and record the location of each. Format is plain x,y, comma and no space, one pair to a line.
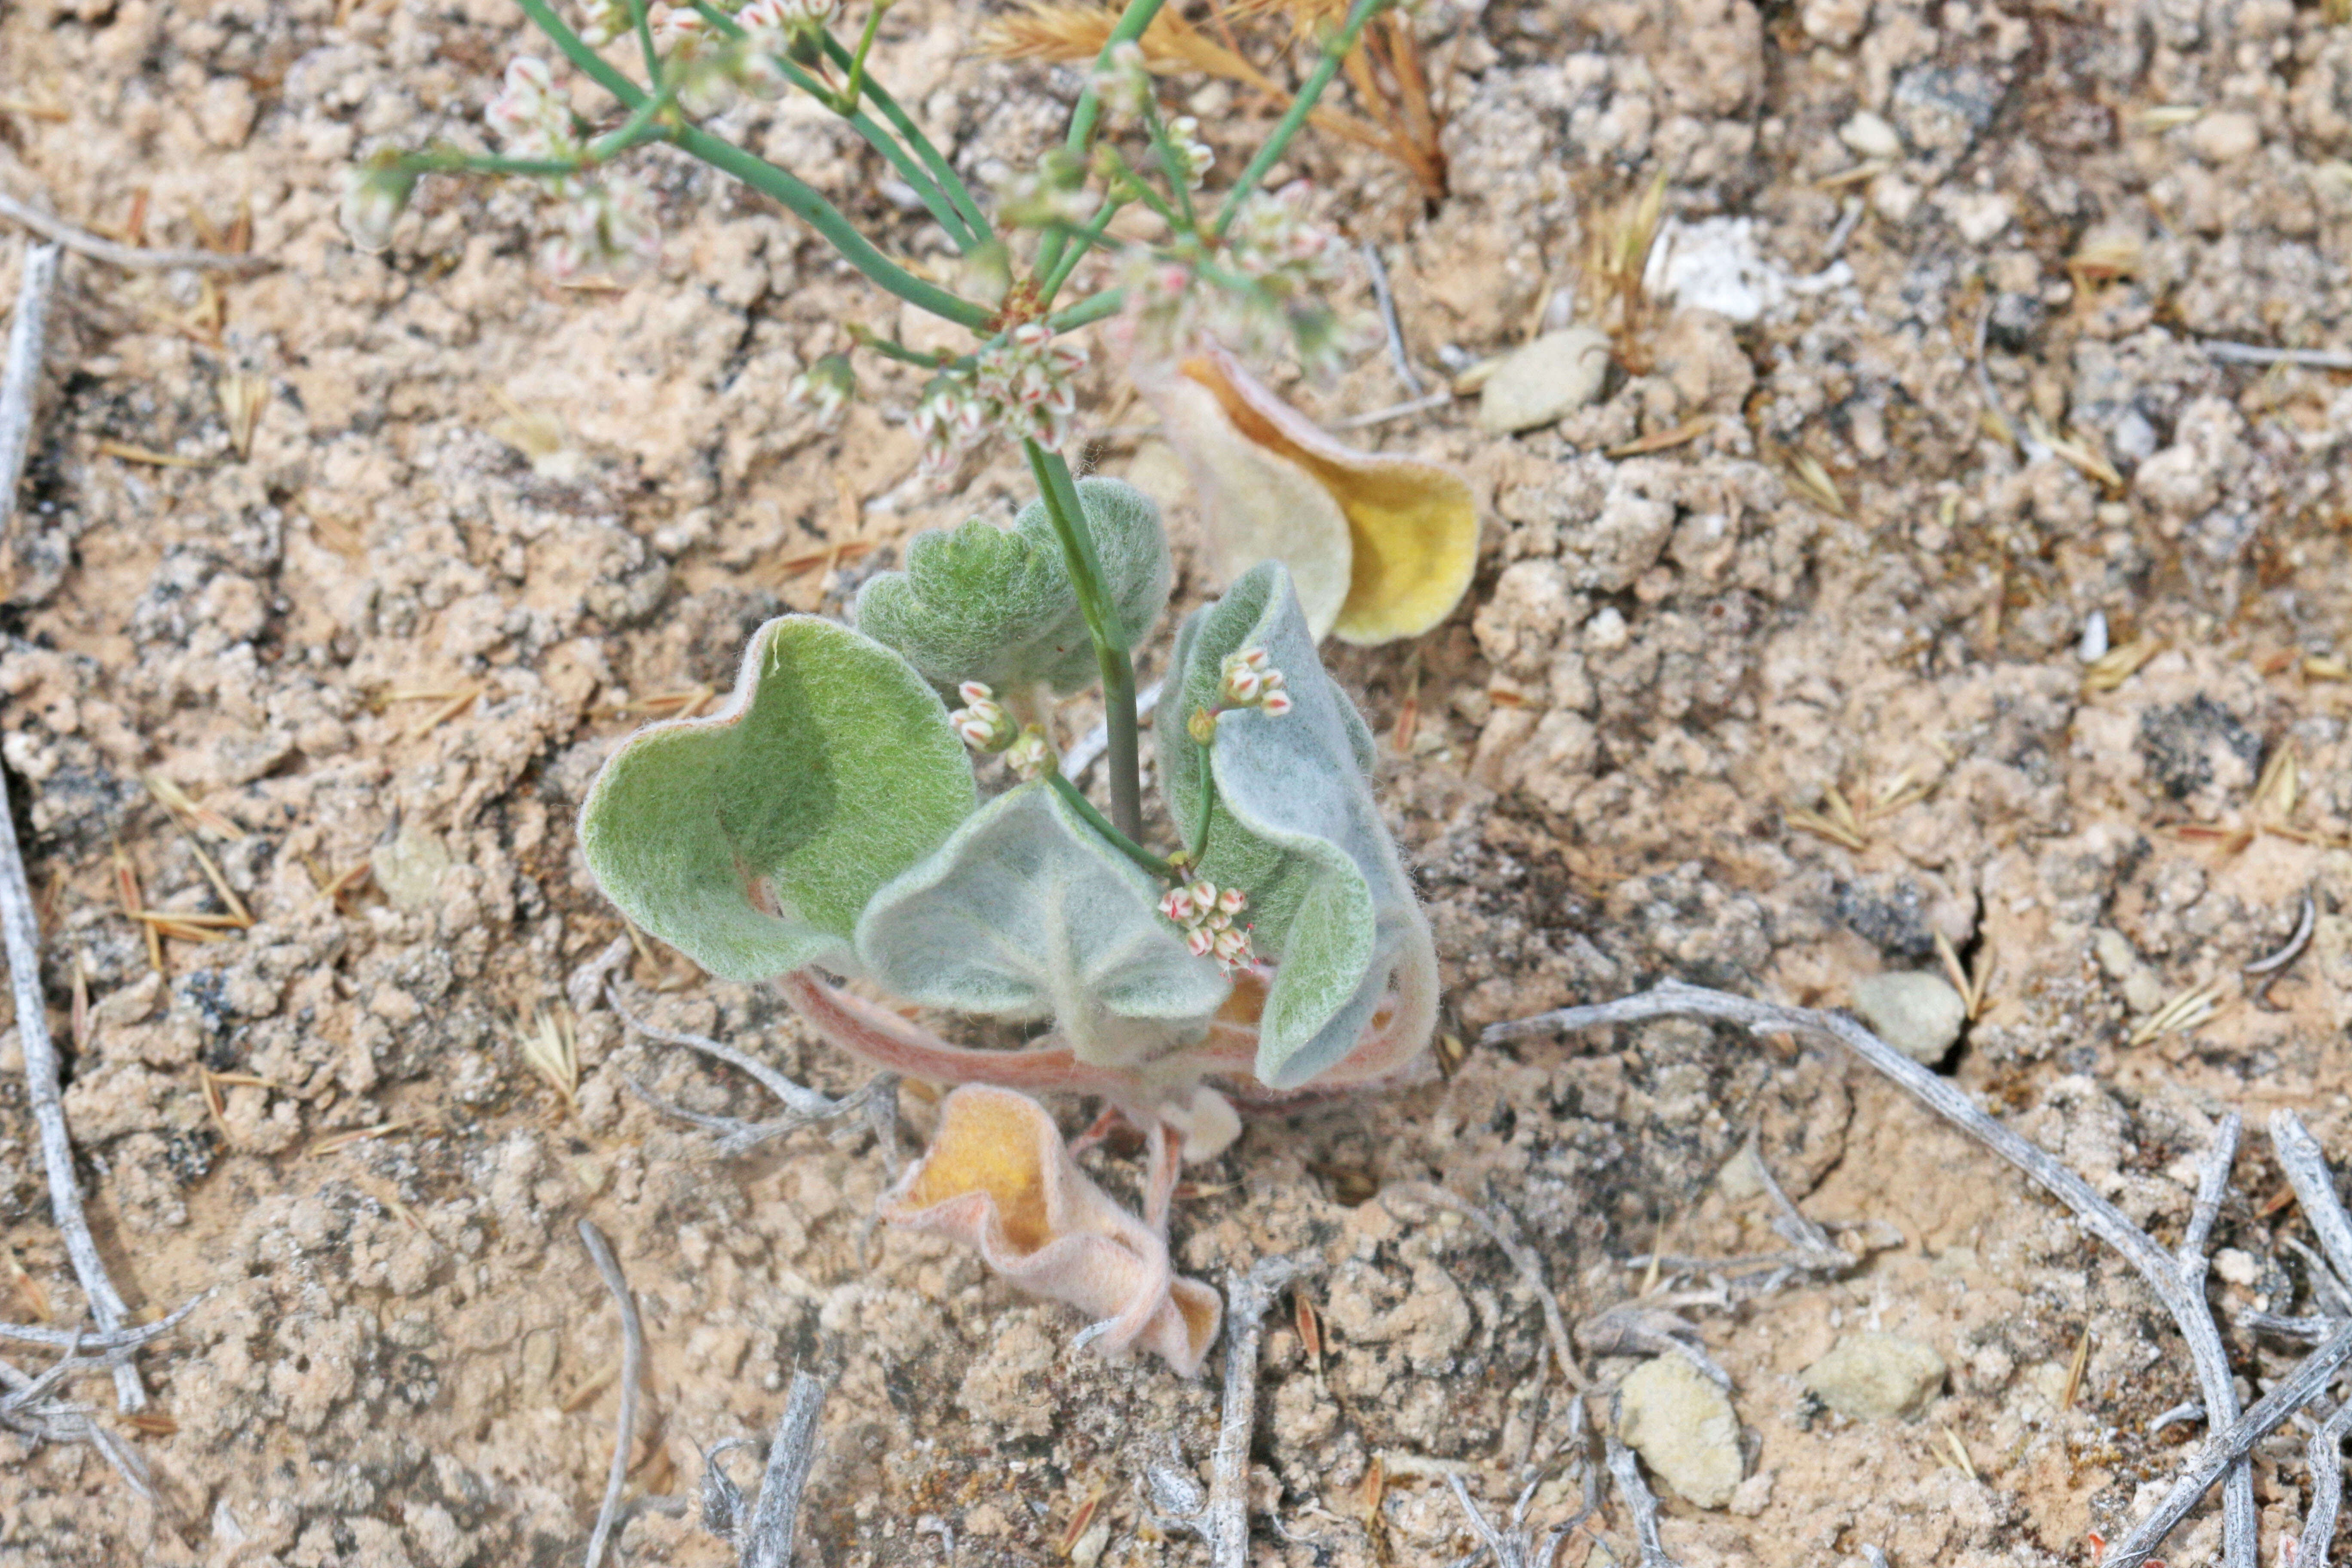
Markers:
1412,527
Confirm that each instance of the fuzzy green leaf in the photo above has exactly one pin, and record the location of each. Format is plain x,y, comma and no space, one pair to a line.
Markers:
752,841
994,605
1294,824
1026,913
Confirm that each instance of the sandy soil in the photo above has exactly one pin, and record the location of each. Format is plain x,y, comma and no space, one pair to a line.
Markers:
464,479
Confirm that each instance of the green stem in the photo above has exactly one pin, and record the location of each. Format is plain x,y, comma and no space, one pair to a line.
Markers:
625,135
944,211
1110,639
575,49
1087,238
761,175
431,161
890,348
1179,175
1208,802
641,14
1335,51
1101,824
1088,311
1130,26
1136,190
943,172
856,87
822,216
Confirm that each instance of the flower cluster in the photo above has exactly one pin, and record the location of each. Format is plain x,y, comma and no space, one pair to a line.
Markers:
602,226
1123,82
1194,157
785,17
985,726
825,388
1054,192
533,112
1272,242
1261,292
1206,912
601,21
982,721
1022,387
1248,681
603,222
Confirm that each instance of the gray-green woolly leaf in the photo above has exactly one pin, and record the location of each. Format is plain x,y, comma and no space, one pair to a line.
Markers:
752,840
993,604
1026,913
1293,825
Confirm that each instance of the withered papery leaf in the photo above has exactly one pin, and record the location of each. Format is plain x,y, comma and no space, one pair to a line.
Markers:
1413,527
999,1179
1255,503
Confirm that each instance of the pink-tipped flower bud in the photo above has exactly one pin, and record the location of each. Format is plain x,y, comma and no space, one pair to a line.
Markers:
1275,705
985,726
1232,946
976,691
1178,906
1232,902
1204,895
1201,942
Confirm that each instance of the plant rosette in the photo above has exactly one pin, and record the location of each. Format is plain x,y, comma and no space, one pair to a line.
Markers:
828,822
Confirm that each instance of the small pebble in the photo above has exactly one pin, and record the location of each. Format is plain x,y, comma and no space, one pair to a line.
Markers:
409,869
1556,374
1685,1429
1876,1377
2224,138
2094,645
1916,1012
1871,136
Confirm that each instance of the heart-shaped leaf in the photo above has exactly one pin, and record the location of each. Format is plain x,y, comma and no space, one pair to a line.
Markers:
1026,913
993,604
752,840
1292,822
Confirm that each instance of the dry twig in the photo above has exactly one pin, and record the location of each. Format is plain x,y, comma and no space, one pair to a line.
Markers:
1514,1546
1639,1501
19,923
802,1105
633,1361
21,374
1523,1258
2164,1272
2326,1456
767,1542
2255,354
1225,1522
132,257
1378,273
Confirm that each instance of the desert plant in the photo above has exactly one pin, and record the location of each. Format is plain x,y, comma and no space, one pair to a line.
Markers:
829,821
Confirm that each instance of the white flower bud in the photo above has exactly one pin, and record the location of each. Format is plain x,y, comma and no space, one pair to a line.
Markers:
374,195
1031,756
